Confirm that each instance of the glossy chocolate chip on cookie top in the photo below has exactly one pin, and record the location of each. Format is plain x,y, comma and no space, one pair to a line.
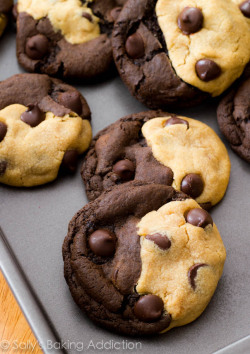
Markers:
127,264
158,147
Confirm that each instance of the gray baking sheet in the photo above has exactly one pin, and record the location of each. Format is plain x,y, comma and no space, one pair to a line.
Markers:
35,223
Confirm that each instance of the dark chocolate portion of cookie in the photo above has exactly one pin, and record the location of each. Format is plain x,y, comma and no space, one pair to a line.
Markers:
41,49
43,91
120,153
233,116
147,70
104,287
6,6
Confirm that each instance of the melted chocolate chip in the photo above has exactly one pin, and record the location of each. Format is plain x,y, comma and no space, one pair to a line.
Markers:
3,131
70,160
192,273
190,20
87,16
37,47
124,169
245,8
135,46
33,116
161,241
149,308
207,70
3,166
71,100
102,243
192,185
199,217
176,120
115,12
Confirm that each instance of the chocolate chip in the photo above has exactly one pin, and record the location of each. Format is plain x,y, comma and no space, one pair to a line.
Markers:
37,47
115,12
3,166
3,131
71,100
33,116
245,8
124,169
176,120
70,160
192,273
192,185
199,217
102,243
149,308
161,241
207,69
135,46
87,16
190,20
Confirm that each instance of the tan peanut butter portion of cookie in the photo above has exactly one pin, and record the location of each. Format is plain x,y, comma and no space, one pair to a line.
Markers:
32,155
185,274
3,23
74,19
190,149
207,45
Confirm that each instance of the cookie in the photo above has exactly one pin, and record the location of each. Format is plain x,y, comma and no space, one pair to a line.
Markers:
233,115
44,124
5,7
178,53
159,147
69,39
142,259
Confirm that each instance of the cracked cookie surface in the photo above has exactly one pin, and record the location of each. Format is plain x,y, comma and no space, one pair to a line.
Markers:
233,116
44,124
144,53
109,246
68,39
158,147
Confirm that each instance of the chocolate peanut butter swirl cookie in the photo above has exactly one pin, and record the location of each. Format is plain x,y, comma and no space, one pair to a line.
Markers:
70,39
180,52
159,147
234,118
5,7
137,270
44,124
